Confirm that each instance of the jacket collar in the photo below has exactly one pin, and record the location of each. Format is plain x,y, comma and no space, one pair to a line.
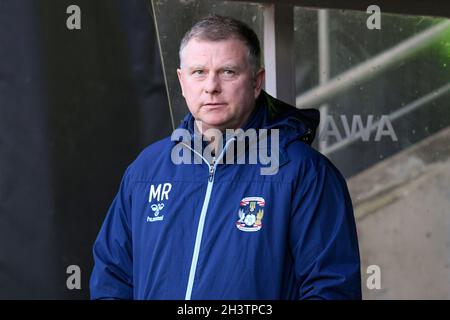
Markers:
271,113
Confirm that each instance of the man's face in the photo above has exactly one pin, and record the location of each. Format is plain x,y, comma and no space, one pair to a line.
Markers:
217,82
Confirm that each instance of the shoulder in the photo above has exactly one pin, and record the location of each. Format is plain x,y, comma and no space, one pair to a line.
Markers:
155,149
308,163
151,158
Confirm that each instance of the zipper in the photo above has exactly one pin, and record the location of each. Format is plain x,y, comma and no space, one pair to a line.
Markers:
211,170
198,239
306,136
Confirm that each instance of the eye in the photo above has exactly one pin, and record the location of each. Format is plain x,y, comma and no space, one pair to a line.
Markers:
198,72
228,72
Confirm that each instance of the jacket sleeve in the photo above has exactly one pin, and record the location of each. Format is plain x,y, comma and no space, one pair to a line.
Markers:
112,275
323,236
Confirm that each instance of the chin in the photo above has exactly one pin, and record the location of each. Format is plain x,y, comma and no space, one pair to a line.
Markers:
215,124
215,121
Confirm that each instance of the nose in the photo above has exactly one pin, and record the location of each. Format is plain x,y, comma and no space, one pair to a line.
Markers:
212,84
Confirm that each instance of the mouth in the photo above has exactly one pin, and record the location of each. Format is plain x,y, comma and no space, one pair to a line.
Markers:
214,105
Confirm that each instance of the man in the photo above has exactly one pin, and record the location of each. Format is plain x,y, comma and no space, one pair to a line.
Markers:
217,227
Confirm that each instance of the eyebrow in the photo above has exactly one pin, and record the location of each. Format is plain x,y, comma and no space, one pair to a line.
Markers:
230,66
226,66
196,66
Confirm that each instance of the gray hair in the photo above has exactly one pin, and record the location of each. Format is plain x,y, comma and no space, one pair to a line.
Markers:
216,27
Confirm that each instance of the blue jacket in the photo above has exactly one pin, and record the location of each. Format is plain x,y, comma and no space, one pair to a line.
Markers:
224,231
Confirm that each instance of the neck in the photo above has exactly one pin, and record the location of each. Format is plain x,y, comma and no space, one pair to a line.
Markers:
214,134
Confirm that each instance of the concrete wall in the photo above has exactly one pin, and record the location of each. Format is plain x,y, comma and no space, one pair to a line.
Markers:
402,207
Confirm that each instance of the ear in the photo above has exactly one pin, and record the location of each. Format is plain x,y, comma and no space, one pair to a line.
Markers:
259,80
180,80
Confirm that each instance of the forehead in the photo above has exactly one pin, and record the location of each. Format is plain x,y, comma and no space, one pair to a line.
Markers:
198,51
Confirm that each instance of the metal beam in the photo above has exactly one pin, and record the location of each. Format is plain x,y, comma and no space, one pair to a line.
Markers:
439,8
324,63
372,67
279,51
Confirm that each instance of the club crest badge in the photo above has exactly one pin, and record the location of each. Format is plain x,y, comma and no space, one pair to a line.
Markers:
250,214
